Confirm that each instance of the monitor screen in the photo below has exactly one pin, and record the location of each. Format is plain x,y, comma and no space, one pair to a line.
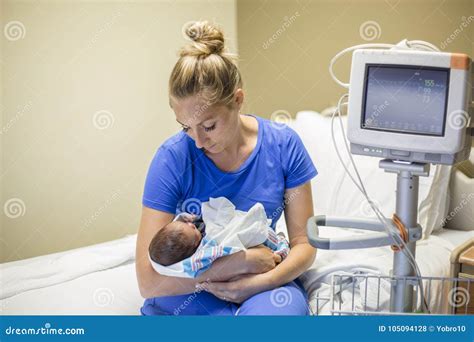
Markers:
405,99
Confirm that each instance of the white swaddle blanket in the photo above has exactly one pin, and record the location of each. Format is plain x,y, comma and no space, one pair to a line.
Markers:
228,231
235,228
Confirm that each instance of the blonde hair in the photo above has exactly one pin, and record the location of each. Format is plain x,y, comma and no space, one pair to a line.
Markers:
205,68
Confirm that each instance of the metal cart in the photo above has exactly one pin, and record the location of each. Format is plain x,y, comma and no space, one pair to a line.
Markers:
406,289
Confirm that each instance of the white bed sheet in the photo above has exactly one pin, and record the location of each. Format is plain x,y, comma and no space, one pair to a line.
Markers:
20,276
93,280
109,292
456,237
114,291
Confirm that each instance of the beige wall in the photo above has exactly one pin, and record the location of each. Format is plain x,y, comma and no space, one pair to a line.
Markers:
77,180
291,72
65,181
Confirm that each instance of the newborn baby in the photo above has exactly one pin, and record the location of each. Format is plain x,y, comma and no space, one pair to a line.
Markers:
175,242
223,230
179,240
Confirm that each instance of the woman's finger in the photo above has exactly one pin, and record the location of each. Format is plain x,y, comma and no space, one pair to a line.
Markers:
277,258
217,290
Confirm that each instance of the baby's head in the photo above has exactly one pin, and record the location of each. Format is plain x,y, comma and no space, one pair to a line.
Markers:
174,242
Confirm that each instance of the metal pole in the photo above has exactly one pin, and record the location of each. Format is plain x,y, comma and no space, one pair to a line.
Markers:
401,299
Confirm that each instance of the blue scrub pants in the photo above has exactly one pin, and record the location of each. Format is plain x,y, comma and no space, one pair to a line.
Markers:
290,299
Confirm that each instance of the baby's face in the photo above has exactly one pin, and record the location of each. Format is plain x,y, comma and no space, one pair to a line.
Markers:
192,233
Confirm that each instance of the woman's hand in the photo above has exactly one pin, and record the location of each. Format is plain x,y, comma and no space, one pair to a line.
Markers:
239,289
261,259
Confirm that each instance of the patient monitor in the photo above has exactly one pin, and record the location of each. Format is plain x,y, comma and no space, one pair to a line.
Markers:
410,105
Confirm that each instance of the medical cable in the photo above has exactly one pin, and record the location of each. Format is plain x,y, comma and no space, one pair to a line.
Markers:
393,232
389,228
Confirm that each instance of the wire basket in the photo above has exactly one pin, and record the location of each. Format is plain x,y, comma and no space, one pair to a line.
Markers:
368,294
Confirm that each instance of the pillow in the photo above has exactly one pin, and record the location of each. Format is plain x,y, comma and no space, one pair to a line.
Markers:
334,193
461,194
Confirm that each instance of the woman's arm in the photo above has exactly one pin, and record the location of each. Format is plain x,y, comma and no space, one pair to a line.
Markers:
152,284
298,210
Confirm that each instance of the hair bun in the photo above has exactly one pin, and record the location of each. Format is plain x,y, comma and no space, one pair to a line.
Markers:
207,39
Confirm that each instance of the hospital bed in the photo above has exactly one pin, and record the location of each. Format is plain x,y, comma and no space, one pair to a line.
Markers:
100,279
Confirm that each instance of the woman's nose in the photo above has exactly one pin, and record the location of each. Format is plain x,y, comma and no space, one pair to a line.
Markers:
200,140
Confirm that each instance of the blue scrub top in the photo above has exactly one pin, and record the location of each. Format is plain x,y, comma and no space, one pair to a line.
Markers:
181,176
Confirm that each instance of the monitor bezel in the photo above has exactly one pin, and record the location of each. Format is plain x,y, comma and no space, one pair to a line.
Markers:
458,100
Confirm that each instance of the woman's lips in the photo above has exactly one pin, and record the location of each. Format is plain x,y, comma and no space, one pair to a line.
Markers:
207,149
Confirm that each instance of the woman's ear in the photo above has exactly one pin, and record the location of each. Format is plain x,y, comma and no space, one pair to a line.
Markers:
238,98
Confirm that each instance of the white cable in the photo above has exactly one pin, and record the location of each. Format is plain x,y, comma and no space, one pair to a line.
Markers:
337,110
422,44
389,227
352,48
412,44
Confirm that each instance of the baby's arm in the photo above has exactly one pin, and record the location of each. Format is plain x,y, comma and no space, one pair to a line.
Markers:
259,259
277,243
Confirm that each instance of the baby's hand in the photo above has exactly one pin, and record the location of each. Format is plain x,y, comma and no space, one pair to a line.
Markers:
186,217
261,259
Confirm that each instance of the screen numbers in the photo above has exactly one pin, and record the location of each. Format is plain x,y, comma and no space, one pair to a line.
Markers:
429,83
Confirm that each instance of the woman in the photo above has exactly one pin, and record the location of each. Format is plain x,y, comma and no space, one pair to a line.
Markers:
244,158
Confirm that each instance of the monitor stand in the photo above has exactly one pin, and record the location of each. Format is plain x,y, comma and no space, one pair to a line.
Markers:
401,299
403,274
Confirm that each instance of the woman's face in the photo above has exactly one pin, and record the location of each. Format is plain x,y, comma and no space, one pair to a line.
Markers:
212,127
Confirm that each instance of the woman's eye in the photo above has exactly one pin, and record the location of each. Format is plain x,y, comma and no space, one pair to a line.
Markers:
185,129
208,129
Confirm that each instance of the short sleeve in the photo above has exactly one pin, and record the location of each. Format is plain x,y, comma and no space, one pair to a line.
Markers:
298,166
163,186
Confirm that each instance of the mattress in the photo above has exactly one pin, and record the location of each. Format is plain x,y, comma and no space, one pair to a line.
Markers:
46,285
455,237
93,280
